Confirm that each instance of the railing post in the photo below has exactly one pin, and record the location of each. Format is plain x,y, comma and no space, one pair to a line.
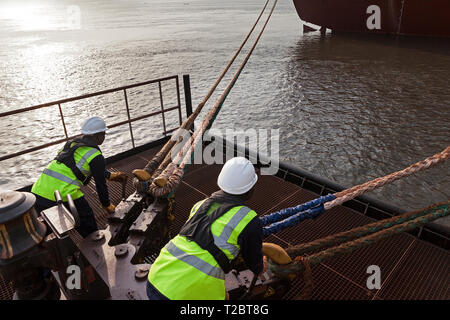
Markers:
187,96
180,117
129,118
62,119
162,108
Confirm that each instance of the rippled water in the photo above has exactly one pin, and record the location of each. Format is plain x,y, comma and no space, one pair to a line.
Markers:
349,108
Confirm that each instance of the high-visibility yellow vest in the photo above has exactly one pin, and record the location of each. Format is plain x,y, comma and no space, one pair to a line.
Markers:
57,176
185,271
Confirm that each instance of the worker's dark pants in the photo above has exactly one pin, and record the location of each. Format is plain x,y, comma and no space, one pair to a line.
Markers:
153,293
87,218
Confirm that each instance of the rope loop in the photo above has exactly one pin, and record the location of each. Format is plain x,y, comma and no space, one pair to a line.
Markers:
307,278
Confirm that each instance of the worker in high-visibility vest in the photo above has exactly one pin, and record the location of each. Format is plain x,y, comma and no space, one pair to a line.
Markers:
73,167
193,264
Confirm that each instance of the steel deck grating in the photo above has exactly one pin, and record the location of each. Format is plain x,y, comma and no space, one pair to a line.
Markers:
6,289
410,268
328,286
411,280
183,208
343,277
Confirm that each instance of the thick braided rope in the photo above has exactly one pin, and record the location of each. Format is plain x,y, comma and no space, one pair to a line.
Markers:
173,181
358,232
161,159
277,216
186,152
293,220
211,114
172,173
307,279
356,191
297,266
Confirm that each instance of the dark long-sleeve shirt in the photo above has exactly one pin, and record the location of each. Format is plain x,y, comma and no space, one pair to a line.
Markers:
99,173
250,240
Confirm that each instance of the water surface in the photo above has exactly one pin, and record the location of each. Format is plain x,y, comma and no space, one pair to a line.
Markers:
349,108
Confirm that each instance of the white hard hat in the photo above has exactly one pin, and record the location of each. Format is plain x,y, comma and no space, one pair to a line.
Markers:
237,176
93,125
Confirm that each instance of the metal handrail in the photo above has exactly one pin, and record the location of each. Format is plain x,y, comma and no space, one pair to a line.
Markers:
103,92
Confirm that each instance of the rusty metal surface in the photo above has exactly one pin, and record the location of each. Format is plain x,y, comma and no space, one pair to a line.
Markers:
411,268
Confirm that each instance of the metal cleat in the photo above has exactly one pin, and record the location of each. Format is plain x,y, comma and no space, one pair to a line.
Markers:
150,232
125,214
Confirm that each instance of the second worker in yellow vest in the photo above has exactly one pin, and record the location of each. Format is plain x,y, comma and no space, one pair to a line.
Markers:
192,266
74,166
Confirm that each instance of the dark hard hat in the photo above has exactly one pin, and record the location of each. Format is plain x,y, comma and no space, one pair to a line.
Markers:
14,203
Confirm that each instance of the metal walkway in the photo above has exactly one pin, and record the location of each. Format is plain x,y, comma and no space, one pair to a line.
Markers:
410,268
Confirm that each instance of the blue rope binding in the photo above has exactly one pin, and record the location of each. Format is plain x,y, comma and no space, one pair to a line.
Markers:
289,217
285,213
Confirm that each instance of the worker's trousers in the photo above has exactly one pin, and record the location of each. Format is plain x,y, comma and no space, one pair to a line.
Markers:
85,212
153,293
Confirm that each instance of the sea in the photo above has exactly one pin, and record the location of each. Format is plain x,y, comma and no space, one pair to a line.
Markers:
349,108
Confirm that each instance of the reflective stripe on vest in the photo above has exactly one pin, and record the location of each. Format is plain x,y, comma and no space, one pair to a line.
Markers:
222,240
83,160
79,165
62,177
195,262
183,270
196,206
57,176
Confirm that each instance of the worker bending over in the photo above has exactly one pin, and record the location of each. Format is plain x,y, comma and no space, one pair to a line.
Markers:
193,264
74,166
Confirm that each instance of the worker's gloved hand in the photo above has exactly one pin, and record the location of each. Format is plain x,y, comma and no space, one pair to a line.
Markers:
118,176
141,175
110,209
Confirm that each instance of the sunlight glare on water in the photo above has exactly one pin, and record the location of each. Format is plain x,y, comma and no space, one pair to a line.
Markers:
349,108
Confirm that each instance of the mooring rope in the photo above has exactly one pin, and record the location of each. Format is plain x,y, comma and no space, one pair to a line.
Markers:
173,174
288,212
160,161
358,232
291,270
307,278
354,192
291,216
294,217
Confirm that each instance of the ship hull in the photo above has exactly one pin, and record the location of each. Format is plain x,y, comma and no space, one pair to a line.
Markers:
397,17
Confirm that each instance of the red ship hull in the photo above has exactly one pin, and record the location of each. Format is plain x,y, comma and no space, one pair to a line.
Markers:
398,17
